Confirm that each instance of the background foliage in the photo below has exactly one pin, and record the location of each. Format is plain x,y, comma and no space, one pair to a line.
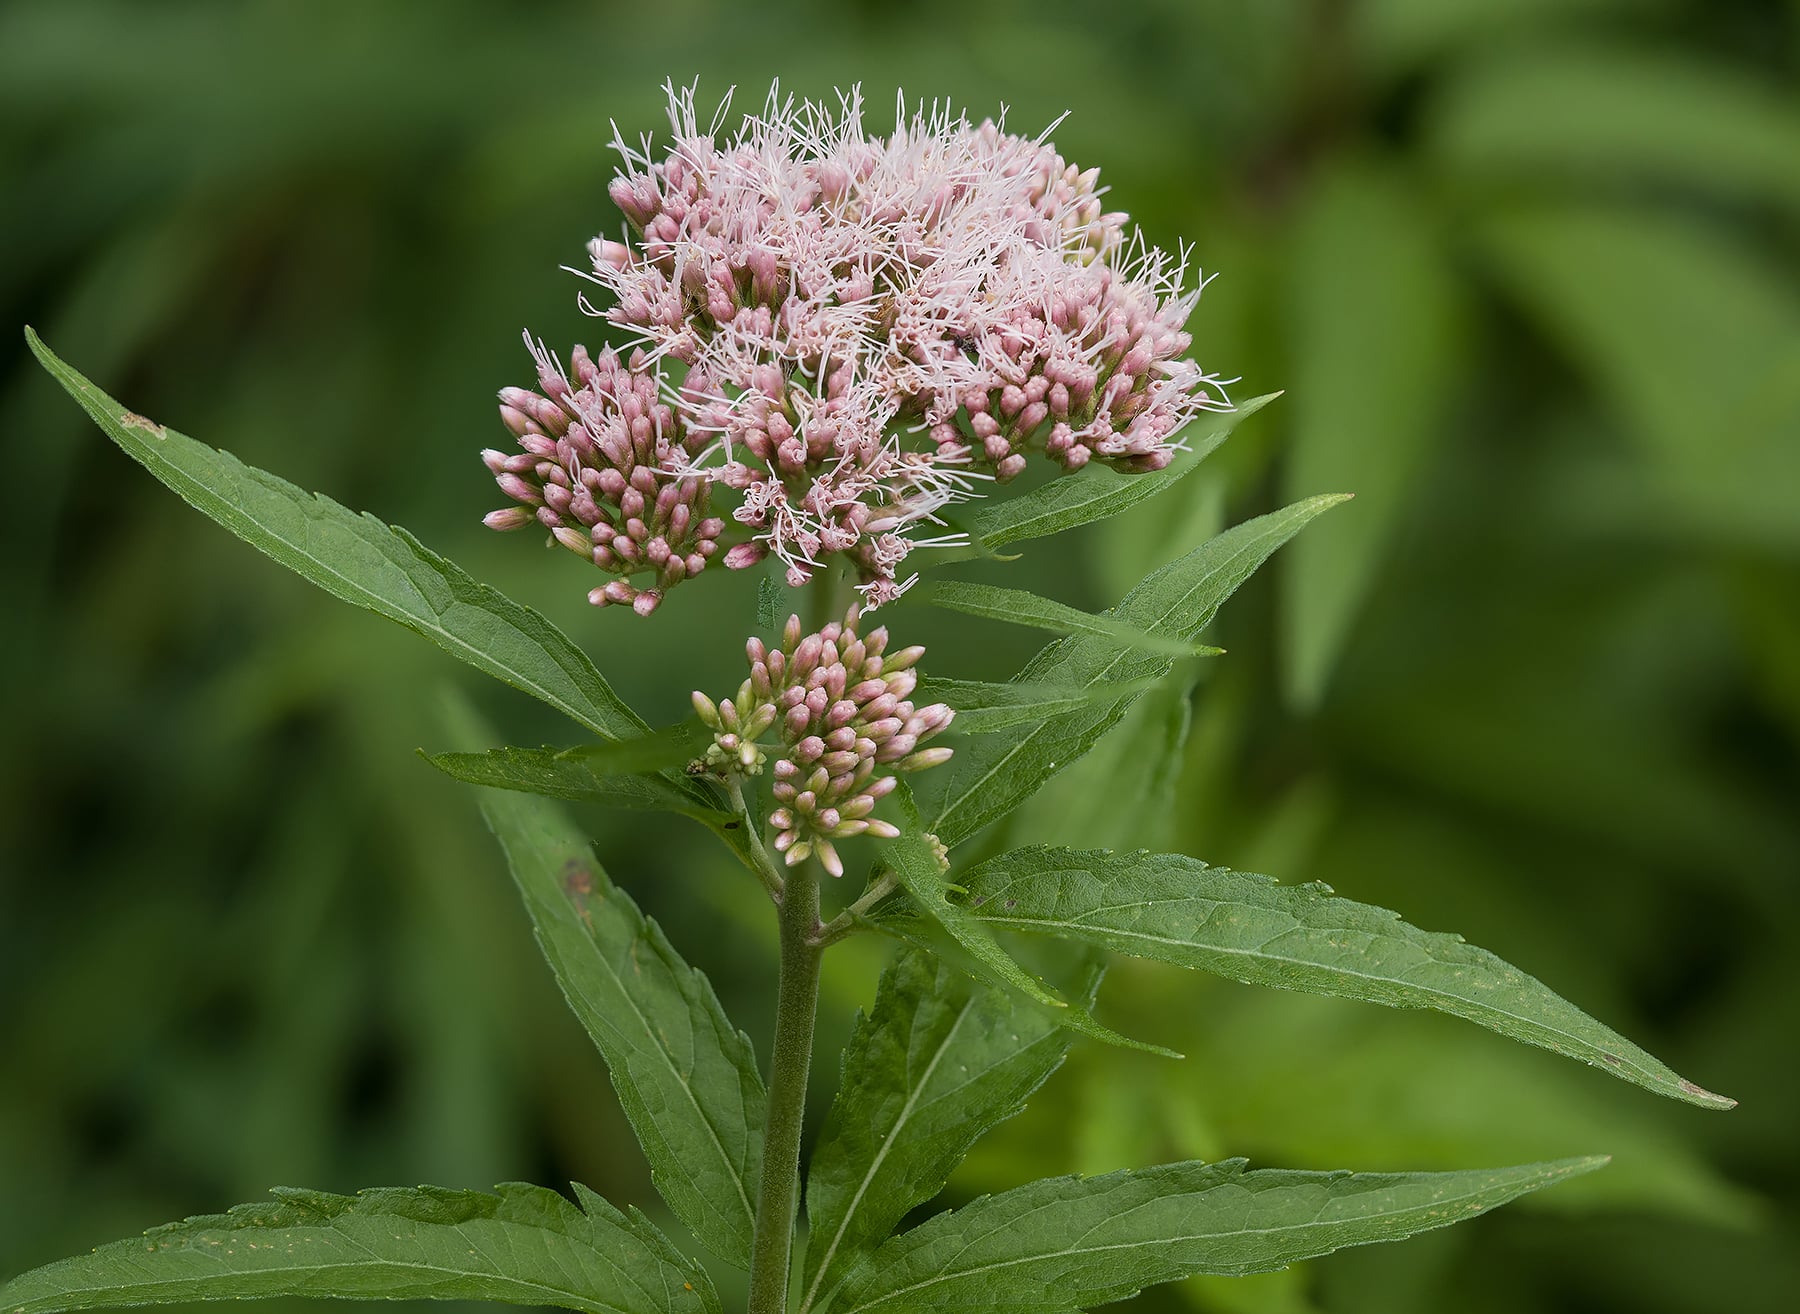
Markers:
1527,271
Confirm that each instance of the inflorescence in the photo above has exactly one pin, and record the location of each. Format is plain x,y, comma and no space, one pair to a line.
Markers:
848,333
838,705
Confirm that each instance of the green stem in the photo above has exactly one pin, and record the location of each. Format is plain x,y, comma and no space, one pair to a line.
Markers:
826,603
757,856
884,884
796,1004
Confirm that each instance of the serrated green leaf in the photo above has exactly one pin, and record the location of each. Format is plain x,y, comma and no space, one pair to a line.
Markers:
938,1062
554,774
1068,1243
983,706
523,1245
1019,607
1176,909
361,560
1099,492
993,774
671,746
1371,391
915,865
687,1078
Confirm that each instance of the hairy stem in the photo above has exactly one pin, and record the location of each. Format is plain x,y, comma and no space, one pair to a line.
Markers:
796,1004
796,897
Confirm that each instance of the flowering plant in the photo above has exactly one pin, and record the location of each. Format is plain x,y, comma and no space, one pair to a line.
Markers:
837,339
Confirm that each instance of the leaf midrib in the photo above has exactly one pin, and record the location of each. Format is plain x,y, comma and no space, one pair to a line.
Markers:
687,1089
1524,1023
581,1299
1024,530
978,1270
887,1143
370,600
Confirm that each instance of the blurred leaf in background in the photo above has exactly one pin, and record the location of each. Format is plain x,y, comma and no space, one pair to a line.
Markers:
1527,271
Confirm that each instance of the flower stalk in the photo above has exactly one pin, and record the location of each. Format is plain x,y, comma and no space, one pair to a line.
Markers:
796,1004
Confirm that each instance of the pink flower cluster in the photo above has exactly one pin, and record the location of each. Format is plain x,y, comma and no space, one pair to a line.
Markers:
839,705
866,328
597,468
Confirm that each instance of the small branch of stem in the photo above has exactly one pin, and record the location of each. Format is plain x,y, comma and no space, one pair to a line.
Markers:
847,921
796,1004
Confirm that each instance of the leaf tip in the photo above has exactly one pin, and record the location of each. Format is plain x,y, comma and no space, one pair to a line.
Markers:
1314,506
1577,1167
1705,1098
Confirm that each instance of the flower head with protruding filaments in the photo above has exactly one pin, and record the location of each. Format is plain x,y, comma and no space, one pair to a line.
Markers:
850,333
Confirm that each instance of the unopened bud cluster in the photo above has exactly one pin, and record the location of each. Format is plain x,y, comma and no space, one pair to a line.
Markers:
862,330
596,467
1092,374
839,706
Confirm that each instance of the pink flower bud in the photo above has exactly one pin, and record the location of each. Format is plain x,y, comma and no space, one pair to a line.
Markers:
901,660
512,517
897,747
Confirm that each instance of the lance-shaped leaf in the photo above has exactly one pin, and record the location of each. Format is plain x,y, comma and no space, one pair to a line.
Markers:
686,1077
1019,607
1178,910
916,866
670,747
1098,492
523,1245
555,773
984,706
993,774
938,1062
1067,1243
921,873
365,562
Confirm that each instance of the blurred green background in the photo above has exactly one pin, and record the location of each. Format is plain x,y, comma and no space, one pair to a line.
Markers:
1527,271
